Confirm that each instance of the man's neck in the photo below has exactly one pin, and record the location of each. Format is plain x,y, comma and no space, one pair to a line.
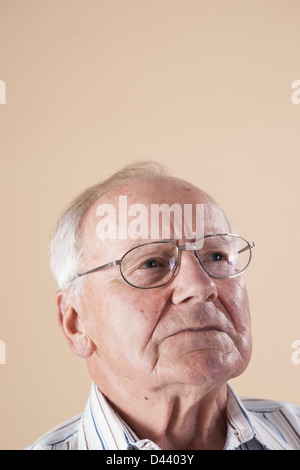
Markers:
181,425
181,418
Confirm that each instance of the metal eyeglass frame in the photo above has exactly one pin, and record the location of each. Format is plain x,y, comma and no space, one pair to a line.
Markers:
187,246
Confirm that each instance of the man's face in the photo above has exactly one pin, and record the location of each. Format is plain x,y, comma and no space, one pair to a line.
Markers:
194,330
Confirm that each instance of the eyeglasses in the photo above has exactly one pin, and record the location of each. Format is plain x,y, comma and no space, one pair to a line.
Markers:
154,264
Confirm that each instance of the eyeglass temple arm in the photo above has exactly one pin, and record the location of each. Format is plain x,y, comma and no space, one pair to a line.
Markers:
251,244
107,265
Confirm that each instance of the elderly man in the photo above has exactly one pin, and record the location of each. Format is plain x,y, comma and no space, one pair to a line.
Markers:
163,323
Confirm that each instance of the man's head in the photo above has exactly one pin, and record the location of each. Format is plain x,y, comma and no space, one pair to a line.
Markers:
192,331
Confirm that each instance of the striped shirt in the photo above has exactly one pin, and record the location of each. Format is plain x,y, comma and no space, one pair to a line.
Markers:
252,425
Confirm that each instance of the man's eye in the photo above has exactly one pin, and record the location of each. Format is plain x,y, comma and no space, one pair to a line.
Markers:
217,257
151,263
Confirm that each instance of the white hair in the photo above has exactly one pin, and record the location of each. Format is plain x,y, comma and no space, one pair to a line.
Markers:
66,251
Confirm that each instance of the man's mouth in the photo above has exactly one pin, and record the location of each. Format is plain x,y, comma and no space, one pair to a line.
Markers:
198,330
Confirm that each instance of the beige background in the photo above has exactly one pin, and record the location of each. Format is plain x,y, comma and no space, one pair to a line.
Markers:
202,86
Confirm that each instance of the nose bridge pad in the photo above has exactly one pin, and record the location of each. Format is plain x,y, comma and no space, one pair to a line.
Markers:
173,263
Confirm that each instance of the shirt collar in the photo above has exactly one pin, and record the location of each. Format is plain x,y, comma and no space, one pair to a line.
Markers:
102,428
245,427
239,427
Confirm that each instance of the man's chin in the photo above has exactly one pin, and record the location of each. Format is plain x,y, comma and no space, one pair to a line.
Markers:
206,369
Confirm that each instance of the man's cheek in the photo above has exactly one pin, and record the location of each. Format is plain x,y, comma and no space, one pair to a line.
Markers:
234,295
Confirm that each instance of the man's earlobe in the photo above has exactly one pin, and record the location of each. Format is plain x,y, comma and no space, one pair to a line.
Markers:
69,320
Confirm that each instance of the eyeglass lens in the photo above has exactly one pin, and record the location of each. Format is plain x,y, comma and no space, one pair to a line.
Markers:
150,265
224,255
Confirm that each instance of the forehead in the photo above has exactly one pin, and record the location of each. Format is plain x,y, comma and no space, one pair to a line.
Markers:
129,213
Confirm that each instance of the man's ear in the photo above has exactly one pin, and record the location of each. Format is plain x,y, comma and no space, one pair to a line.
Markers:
69,320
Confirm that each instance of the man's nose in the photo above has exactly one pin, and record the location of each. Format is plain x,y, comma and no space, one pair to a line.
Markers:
192,281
